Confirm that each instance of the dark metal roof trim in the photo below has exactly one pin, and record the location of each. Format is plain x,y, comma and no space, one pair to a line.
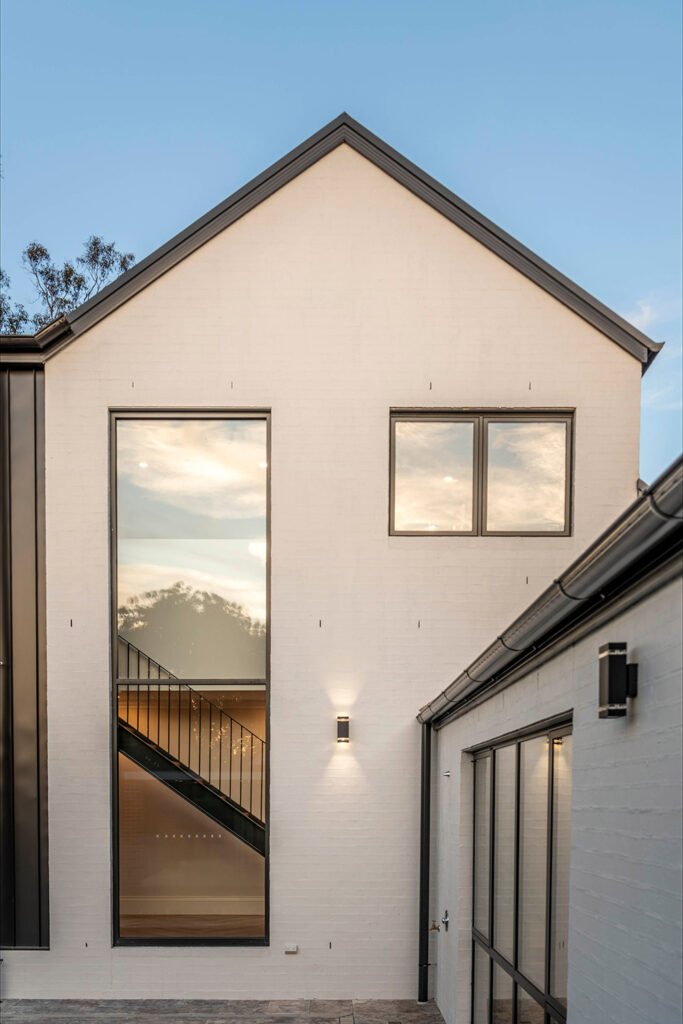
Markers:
344,129
653,521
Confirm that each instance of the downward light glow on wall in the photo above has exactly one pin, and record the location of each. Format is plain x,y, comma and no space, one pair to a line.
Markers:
342,728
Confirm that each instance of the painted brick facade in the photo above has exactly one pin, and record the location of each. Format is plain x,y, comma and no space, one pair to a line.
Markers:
341,296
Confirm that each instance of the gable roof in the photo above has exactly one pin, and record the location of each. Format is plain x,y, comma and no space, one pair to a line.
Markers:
49,340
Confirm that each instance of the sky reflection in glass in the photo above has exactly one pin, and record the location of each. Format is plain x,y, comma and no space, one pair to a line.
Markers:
433,476
191,543
526,478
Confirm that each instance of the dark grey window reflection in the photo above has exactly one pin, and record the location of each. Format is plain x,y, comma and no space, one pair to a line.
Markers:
433,476
504,852
482,826
526,476
559,915
191,547
533,825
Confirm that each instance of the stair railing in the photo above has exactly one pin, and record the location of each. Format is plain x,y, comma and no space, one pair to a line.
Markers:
197,734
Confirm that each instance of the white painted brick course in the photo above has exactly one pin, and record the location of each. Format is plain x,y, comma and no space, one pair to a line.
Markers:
339,297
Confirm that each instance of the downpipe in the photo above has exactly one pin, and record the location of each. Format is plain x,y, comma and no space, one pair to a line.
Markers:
423,912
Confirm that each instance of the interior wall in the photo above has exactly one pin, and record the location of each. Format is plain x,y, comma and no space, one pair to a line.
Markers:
175,860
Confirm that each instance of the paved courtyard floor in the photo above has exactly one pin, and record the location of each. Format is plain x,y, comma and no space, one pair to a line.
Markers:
211,1011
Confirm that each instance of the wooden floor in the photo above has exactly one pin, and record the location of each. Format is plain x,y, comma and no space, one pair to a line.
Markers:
192,926
204,1011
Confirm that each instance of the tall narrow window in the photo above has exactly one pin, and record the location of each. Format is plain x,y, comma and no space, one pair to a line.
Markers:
521,857
190,622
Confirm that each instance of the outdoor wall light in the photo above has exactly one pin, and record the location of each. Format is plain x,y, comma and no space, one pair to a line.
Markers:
342,728
618,680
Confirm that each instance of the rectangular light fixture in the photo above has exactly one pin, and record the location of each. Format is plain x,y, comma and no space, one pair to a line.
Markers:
342,728
618,680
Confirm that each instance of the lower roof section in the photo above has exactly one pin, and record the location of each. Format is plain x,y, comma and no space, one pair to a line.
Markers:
641,549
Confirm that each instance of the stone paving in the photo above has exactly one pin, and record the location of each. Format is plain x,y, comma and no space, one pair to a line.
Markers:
205,1011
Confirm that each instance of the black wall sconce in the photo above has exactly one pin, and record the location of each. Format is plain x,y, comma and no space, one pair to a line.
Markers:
342,728
618,680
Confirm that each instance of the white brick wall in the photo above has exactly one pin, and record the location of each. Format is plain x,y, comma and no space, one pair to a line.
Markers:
625,942
337,298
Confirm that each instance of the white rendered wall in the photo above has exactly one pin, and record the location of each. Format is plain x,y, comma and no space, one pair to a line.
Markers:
625,937
337,298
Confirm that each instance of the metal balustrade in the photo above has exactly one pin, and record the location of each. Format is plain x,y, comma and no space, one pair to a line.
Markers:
197,734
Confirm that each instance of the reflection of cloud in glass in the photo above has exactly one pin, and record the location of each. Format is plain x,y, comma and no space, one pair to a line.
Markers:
433,475
191,513
201,469
526,476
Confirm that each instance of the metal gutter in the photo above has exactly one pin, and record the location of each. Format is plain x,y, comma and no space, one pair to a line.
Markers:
344,129
653,518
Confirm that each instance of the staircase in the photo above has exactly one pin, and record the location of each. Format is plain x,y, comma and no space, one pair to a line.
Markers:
195,748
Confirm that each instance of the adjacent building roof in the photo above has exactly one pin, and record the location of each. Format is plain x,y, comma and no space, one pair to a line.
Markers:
638,553
46,342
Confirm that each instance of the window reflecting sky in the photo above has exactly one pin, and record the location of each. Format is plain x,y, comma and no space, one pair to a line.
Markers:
433,475
191,498
526,476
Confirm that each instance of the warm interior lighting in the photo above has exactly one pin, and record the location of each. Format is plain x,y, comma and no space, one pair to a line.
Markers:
263,465
342,728
431,527
448,480
142,465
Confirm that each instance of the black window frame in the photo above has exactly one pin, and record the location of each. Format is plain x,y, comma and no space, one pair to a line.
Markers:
145,413
553,1010
481,418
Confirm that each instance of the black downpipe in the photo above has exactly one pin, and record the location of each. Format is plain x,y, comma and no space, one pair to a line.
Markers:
425,814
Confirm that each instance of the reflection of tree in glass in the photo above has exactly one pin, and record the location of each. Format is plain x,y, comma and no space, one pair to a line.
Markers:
195,634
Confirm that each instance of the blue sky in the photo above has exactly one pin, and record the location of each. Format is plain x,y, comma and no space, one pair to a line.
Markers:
560,122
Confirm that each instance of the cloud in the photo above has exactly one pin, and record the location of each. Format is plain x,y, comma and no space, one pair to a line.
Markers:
643,316
526,476
662,306
214,468
434,475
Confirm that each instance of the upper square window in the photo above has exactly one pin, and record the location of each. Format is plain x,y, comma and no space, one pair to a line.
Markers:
481,473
